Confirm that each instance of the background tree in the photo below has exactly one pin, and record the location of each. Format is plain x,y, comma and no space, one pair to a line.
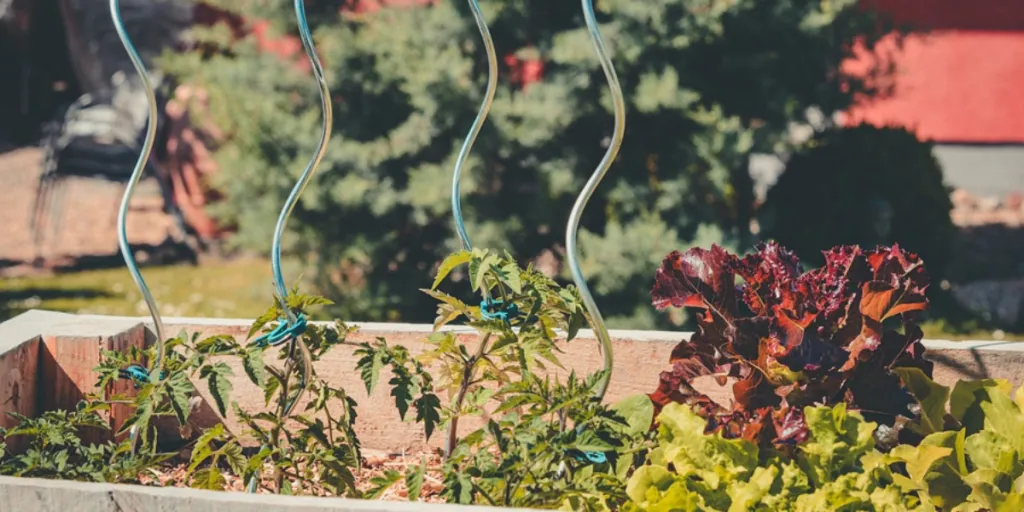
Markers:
707,82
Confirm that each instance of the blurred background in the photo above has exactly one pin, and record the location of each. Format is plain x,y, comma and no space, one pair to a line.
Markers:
813,122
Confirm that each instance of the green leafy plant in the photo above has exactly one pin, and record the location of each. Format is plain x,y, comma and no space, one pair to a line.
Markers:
836,468
544,443
55,448
168,396
563,450
409,379
788,339
312,447
972,458
510,348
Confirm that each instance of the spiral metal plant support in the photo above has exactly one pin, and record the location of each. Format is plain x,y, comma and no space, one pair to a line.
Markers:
619,107
291,327
122,214
474,131
487,306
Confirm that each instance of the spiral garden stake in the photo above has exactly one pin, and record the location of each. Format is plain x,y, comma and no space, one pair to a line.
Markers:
489,308
474,131
290,328
138,372
572,251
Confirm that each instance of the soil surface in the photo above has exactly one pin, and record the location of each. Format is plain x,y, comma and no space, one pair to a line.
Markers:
375,464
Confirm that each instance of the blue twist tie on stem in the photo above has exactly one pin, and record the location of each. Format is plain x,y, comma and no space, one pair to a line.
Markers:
284,332
494,309
593,457
136,373
590,456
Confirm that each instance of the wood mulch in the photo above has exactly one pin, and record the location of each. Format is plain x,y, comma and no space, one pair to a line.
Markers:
375,463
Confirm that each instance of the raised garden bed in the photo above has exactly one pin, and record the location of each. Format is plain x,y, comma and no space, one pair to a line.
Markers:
47,361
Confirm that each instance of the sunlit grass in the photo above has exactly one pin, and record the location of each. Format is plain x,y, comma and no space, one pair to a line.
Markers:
942,330
235,289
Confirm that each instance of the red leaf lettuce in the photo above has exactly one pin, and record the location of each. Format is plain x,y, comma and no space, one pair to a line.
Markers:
788,339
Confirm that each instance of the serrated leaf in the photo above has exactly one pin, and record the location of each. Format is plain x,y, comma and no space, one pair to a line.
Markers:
428,412
181,393
515,401
445,298
234,457
268,316
590,441
216,344
402,389
301,302
381,483
369,366
576,320
210,479
512,277
271,387
450,263
255,368
216,376
479,268
414,480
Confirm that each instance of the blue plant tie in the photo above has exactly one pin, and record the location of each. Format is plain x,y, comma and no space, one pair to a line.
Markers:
136,373
589,456
494,309
593,457
284,332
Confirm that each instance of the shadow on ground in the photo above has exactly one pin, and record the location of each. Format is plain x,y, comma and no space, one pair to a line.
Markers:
16,302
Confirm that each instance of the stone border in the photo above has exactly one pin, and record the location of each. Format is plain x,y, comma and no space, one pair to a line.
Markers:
37,495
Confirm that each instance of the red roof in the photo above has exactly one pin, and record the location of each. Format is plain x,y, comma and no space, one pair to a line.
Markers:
962,81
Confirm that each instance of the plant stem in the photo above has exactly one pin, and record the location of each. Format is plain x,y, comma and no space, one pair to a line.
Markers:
275,433
467,379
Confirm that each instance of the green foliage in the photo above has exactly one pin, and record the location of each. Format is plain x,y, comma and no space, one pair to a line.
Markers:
977,461
539,433
836,469
406,83
169,395
536,458
312,448
210,476
318,451
55,449
409,379
891,191
509,351
972,459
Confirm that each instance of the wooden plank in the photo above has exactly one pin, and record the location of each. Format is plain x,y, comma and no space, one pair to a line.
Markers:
18,385
67,373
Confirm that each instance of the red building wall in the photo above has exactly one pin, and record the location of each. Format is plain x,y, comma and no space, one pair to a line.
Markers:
962,81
